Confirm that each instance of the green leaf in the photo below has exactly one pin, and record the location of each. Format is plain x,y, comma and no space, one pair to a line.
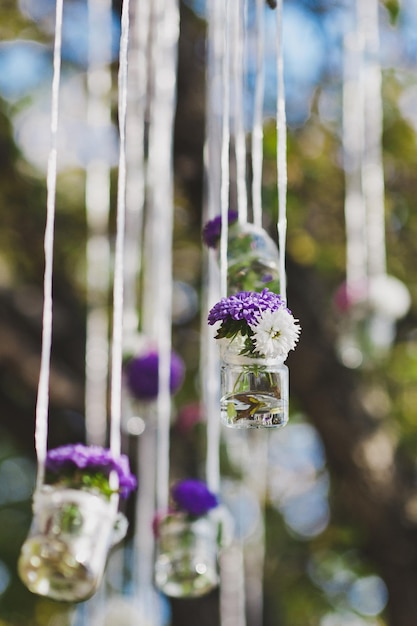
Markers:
393,8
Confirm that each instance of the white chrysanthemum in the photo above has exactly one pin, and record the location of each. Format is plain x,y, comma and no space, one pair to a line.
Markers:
276,333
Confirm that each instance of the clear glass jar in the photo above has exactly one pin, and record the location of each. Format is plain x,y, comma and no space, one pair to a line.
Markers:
252,259
186,564
254,392
65,554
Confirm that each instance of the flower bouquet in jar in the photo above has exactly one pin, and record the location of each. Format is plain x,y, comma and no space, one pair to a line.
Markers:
255,335
76,521
188,538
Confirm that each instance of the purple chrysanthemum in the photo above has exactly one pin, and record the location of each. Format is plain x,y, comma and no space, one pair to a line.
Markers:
212,230
245,305
66,460
142,375
193,497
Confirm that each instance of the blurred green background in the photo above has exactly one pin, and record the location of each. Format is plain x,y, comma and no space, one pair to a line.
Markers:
341,514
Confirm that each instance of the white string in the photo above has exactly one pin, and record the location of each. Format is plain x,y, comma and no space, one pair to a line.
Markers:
281,124
143,538
209,358
232,586
255,467
138,90
138,82
150,288
160,168
97,197
237,21
353,138
225,150
42,402
257,124
117,335
372,168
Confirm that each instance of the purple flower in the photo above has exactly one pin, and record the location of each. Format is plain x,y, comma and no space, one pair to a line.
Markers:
142,375
212,230
245,305
69,459
193,497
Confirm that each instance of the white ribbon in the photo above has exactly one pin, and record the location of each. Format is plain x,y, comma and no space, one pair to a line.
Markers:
42,402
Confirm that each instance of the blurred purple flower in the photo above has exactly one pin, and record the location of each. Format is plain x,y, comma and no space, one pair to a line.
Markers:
142,375
67,460
212,230
193,497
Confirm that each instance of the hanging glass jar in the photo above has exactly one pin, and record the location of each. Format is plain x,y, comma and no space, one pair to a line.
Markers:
75,521
65,554
252,255
255,335
186,562
189,537
252,259
254,392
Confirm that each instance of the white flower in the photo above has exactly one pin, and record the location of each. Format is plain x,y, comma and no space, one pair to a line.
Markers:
275,333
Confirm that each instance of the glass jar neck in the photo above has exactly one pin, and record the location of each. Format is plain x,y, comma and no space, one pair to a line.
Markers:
230,353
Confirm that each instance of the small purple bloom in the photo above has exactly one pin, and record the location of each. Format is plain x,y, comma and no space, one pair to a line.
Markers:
193,497
245,305
142,375
67,459
212,230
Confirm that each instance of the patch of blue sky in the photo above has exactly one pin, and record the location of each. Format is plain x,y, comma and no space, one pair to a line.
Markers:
5,577
368,595
85,29
298,447
408,26
198,6
308,513
304,61
79,31
336,24
79,143
38,10
24,66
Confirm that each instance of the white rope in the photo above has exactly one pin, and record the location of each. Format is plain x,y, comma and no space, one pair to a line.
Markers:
281,124
97,198
143,538
160,168
232,586
42,402
353,138
138,83
117,335
150,287
238,72
225,149
257,122
209,358
145,443
372,167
